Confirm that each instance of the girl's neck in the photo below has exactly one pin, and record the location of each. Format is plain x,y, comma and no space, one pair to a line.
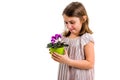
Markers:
73,36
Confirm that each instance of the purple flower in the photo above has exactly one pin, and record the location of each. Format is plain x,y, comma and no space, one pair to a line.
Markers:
57,36
53,37
52,41
56,42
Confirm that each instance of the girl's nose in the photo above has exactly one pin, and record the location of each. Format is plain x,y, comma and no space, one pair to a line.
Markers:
68,25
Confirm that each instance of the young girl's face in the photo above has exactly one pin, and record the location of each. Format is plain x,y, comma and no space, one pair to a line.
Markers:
73,24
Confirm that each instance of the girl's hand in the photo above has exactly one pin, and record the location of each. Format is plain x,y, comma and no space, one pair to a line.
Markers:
61,58
49,51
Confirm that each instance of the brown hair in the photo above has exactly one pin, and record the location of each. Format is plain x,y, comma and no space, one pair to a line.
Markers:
76,9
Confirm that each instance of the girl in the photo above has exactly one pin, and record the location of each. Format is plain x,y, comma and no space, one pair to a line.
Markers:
78,61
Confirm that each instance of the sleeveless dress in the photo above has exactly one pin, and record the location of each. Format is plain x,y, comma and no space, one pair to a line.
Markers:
76,52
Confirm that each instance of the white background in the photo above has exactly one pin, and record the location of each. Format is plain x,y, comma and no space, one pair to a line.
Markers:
27,25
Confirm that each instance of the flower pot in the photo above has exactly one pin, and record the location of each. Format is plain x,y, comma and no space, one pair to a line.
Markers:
57,50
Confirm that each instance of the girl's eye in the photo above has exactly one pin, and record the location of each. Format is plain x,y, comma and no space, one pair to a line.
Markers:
66,22
71,22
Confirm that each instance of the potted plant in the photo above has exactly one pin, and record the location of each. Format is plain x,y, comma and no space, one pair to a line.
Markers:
56,45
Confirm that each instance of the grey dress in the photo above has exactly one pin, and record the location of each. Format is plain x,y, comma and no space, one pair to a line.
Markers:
76,52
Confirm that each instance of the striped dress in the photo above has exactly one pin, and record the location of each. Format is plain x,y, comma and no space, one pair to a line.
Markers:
76,52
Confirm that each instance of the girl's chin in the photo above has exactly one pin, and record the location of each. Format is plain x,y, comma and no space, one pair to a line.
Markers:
72,31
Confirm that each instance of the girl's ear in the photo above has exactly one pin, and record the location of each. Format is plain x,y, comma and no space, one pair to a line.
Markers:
84,18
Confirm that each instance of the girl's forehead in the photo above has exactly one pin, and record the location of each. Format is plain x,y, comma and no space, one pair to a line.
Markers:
67,18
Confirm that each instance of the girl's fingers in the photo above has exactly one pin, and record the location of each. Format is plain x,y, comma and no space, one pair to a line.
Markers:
56,55
65,51
50,52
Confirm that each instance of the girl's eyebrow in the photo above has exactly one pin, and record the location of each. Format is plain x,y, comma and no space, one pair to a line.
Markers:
70,21
65,21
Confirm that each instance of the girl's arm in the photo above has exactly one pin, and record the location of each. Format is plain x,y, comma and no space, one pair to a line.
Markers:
88,63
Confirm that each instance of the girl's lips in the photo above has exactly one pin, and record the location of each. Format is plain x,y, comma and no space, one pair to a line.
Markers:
71,29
